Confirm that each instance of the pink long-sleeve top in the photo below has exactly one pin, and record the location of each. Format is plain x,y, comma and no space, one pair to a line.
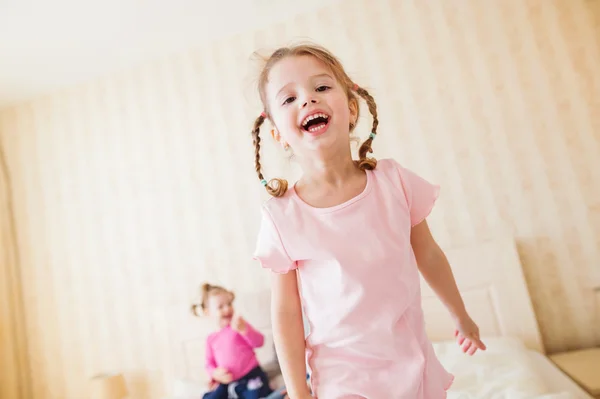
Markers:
233,351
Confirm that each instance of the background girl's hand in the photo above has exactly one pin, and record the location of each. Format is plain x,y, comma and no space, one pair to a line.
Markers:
212,385
238,324
222,376
467,336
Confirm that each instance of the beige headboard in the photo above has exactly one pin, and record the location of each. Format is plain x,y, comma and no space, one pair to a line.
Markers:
489,276
491,281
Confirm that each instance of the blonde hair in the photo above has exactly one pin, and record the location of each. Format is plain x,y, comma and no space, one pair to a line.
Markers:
206,291
276,186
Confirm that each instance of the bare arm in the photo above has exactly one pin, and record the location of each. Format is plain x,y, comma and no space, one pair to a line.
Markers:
436,271
253,337
288,333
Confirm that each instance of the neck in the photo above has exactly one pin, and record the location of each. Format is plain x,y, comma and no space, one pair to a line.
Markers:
333,170
222,323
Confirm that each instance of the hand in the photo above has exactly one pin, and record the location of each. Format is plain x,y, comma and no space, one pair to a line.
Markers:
222,376
467,336
212,385
238,324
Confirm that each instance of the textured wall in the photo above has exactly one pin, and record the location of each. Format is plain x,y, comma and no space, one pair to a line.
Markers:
133,189
13,352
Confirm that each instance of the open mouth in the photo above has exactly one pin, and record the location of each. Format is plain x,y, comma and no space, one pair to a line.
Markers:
315,123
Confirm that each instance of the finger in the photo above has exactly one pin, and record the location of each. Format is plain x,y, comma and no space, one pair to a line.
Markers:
461,339
478,343
472,350
466,345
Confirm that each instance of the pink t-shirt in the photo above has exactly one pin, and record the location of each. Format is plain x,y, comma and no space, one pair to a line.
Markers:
233,351
360,286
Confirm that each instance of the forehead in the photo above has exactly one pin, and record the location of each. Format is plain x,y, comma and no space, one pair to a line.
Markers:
294,69
219,298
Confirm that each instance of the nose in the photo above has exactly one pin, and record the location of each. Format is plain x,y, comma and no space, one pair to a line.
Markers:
310,101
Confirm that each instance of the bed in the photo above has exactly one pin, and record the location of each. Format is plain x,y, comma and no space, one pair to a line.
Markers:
491,280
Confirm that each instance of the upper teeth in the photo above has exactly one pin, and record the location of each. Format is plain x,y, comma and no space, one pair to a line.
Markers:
313,116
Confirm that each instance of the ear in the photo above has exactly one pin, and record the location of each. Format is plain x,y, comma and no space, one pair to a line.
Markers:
275,134
277,137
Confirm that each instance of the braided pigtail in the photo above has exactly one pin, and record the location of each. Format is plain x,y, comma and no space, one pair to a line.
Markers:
195,307
204,292
275,187
364,162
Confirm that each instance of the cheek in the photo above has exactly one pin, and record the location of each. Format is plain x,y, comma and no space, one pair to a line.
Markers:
286,125
342,107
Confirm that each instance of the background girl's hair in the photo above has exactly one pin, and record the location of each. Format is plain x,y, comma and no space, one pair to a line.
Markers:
207,290
277,187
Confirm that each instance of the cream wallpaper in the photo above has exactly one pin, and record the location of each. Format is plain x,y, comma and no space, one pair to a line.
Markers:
131,190
13,352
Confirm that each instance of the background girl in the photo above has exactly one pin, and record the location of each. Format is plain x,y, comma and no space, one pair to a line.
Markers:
230,359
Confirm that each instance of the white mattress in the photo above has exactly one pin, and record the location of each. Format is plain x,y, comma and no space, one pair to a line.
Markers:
507,370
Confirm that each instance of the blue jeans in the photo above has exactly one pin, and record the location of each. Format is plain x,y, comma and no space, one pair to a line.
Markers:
254,385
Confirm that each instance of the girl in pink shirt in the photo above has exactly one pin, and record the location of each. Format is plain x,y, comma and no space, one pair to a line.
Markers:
347,243
230,359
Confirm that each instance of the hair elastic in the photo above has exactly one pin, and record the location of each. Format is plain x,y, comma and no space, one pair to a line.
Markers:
372,135
263,114
355,87
263,182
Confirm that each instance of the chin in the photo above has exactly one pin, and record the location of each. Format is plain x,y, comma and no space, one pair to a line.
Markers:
327,140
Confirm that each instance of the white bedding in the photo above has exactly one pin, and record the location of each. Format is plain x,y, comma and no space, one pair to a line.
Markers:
507,370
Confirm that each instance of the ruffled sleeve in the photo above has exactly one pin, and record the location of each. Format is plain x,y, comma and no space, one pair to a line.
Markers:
421,195
270,251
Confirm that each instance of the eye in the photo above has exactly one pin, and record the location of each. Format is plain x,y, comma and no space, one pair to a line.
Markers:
323,88
289,100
